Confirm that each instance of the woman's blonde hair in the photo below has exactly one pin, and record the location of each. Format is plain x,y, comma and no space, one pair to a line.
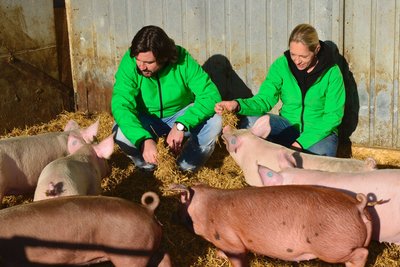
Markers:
306,34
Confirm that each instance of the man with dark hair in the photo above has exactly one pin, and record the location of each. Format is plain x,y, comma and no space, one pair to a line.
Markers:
161,90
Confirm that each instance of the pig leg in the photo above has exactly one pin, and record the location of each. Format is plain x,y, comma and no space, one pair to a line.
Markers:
236,259
127,261
358,258
160,259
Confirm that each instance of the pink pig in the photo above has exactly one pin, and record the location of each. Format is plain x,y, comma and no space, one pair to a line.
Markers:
77,174
292,223
381,186
249,149
23,158
82,230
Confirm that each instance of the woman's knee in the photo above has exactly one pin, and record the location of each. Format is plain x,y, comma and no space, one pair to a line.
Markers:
326,147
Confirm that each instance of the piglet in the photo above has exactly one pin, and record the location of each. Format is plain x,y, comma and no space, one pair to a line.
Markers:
292,223
23,158
79,173
249,148
81,230
381,186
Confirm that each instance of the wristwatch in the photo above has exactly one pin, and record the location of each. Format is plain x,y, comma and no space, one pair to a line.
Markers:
180,127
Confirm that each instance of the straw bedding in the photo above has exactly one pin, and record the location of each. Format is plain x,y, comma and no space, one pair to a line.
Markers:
220,171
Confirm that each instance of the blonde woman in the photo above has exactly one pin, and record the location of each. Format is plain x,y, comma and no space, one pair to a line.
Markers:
310,85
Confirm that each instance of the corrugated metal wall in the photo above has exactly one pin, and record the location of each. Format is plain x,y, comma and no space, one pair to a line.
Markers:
372,30
237,40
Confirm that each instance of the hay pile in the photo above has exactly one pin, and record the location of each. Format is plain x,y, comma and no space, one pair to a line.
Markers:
221,171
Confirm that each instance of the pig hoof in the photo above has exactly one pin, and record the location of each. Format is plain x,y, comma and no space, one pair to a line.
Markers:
220,254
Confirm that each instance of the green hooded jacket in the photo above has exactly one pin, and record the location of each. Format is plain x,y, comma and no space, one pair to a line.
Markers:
316,116
174,87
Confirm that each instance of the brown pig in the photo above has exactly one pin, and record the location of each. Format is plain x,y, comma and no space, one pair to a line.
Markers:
79,173
292,223
80,230
23,158
249,149
381,186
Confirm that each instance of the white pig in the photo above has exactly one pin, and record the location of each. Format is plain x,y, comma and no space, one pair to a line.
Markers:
249,148
81,230
291,223
382,186
79,173
23,158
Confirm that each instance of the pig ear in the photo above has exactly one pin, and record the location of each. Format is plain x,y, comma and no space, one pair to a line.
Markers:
71,125
269,177
89,133
286,159
185,191
261,127
177,187
74,142
186,195
105,148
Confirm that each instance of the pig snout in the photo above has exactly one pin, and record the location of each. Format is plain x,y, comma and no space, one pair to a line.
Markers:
226,129
231,142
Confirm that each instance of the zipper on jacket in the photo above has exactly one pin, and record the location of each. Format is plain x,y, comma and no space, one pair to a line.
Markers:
159,92
303,97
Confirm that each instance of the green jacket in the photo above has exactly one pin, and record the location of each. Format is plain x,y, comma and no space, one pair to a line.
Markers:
316,116
175,87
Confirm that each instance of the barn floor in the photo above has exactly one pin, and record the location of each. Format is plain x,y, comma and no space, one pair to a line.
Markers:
221,171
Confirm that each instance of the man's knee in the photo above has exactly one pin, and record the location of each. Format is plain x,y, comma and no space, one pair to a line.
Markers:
216,123
212,128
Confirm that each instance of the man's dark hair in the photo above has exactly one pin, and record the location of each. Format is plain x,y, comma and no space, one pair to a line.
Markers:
154,39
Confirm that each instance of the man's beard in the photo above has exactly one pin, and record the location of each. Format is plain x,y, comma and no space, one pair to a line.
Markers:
145,73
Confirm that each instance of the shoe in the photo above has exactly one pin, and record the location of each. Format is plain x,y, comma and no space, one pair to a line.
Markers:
142,165
185,167
147,168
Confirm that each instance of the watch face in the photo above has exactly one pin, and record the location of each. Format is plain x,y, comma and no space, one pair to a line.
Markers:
180,126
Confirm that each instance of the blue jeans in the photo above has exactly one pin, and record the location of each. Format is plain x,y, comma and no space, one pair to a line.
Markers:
196,150
283,133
